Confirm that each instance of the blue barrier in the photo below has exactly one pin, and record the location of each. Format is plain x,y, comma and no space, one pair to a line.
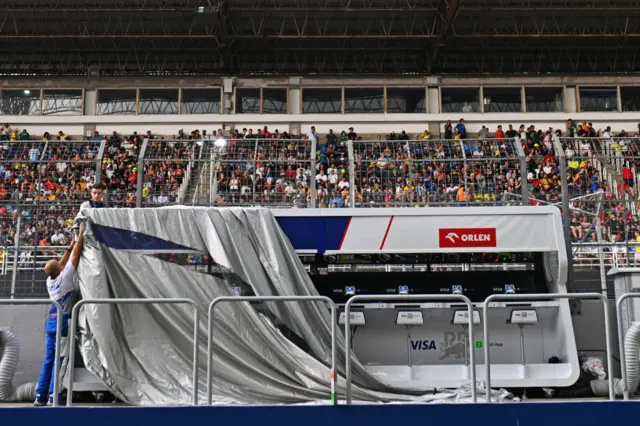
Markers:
508,414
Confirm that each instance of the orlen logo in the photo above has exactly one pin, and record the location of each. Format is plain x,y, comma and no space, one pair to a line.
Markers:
467,237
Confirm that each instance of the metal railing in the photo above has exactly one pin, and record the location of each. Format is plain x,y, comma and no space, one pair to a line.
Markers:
59,313
403,297
621,337
531,297
219,300
133,301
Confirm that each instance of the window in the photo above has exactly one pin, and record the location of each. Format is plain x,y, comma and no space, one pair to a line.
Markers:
460,99
598,99
20,102
321,101
544,99
502,99
247,101
158,101
116,102
200,101
406,100
62,102
274,101
363,100
630,98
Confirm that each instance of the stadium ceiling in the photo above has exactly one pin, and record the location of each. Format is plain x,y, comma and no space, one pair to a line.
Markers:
319,37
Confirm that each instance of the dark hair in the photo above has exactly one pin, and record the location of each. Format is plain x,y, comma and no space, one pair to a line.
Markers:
99,186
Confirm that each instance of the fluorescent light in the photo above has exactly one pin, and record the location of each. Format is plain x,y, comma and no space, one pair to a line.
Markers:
27,92
221,142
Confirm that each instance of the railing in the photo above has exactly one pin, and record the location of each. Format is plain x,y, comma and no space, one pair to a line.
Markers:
219,300
530,297
56,357
210,328
418,297
621,338
168,301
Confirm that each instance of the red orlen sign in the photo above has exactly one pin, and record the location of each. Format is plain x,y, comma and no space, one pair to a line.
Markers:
467,237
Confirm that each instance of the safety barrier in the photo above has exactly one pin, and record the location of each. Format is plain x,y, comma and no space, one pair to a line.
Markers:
530,297
56,365
623,359
169,301
218,300
403,297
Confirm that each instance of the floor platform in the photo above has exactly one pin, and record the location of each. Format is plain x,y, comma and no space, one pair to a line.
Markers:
583,413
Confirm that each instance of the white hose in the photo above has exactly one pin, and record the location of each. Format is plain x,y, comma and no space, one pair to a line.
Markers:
632,359
9,355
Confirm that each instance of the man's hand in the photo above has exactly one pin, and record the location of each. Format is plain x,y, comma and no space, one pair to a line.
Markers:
73,243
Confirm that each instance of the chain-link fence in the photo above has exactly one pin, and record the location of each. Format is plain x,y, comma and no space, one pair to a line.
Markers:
593,181
42,184
435,173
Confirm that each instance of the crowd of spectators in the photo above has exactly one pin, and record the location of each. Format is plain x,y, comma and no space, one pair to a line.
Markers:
51,175
49,178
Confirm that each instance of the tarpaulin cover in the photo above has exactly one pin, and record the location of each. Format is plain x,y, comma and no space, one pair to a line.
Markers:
143,353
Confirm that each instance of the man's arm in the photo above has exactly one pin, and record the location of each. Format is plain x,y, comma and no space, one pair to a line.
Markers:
77,248
67,254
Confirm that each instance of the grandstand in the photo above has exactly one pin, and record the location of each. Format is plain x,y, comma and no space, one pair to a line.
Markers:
45,182
327,104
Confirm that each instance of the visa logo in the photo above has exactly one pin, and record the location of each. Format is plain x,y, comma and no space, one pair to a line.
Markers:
423,345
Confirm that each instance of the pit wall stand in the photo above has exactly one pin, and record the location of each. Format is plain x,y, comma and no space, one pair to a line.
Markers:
532,297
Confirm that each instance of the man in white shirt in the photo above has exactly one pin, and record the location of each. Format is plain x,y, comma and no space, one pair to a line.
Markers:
61,286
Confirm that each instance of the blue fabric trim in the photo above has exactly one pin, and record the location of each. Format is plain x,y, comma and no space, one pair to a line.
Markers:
314,233
122,239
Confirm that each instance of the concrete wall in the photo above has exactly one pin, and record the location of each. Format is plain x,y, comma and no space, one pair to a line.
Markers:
369,124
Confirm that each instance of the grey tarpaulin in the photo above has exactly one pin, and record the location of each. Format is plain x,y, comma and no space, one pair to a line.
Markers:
143,353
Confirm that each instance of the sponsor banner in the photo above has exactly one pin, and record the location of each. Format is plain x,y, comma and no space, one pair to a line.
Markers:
467,237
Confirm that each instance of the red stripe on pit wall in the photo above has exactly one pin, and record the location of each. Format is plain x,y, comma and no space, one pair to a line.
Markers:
384,240
346,229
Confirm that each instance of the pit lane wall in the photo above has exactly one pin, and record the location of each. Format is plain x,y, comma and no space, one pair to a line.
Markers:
508,414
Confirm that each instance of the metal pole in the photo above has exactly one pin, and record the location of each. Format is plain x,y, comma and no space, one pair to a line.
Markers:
531,297
521,343
524,186
418,297
221,299
352,173
140,183
133,301
255,173
56,356
603,272
313,172
16,250
99,159
213,181
565,212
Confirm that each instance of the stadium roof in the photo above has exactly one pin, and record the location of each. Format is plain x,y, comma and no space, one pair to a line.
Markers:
320,37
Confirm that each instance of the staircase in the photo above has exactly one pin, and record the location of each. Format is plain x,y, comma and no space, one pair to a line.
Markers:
608,171
199,187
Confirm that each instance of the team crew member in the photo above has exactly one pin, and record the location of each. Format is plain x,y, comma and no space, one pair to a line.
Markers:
61,285
97,197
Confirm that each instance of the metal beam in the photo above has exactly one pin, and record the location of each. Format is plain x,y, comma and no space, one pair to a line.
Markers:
447,10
